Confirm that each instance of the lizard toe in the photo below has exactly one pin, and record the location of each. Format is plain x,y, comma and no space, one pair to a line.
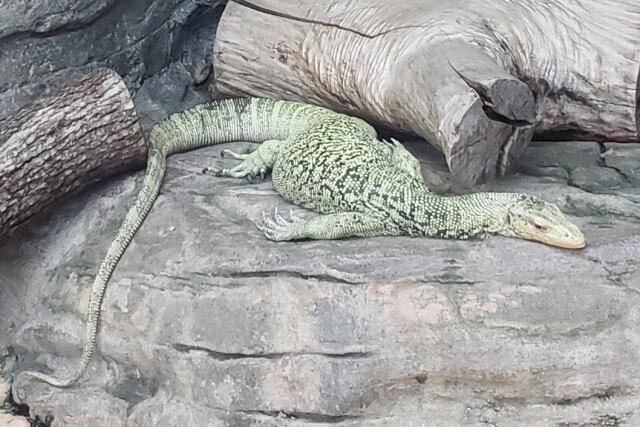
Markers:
214,171
279,219
278,228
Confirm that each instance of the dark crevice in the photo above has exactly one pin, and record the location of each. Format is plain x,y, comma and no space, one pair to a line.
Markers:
281,273
420,379
487,107
488,104
448,282
603,148
572,132
222,356
303,416
605,394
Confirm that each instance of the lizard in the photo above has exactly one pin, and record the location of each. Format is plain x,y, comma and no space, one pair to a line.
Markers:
331,163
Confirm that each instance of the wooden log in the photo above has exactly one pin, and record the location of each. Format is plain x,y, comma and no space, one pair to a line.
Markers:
474,78
63,143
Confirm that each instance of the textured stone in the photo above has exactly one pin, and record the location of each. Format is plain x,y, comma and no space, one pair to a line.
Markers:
8,419
43,16
167,92
596,179
206,322
624,158
45,42
583,164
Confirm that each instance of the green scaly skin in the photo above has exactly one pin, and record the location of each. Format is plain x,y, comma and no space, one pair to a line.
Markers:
330,163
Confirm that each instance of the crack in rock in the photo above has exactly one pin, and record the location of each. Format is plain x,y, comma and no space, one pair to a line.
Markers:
303,416
223,356
279,273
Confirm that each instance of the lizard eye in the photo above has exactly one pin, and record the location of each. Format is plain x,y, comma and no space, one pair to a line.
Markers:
540,226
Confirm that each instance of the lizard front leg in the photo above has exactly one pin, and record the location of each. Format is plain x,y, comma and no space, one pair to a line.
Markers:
405,161
322,227
256,163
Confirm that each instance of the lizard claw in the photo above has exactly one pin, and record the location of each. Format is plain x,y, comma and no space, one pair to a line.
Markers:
278,228
215,171
279,219
292,217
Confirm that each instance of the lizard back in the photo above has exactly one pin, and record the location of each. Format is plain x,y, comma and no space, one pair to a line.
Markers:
334,165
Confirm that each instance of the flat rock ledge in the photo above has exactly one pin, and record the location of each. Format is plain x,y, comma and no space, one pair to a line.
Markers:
206,322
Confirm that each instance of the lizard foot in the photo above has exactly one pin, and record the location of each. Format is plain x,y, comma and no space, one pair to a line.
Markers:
236,155
253,165
239,172
279,228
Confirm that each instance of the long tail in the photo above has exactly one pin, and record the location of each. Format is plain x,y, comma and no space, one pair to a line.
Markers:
240,119
254,119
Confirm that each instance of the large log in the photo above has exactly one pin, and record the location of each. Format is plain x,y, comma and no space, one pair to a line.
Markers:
62,144
474,78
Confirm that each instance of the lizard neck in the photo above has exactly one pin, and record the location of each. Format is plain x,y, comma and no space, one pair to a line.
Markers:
461,216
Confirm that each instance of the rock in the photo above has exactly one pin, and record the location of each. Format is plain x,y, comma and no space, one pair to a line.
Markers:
44,43
567,155
624,159
581,164
596,179
6,418
168,92
5,388
205,322
41,16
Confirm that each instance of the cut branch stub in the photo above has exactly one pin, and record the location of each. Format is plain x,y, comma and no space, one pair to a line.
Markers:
63,143
472,110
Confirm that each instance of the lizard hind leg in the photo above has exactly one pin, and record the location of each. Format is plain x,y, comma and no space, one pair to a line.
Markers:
255,163
322,227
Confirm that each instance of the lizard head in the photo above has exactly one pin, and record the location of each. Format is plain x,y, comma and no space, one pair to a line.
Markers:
533,219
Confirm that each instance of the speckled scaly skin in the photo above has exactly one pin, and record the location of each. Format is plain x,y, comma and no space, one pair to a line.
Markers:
335,165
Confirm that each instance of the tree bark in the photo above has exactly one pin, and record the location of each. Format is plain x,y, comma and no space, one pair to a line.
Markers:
63,143
476,79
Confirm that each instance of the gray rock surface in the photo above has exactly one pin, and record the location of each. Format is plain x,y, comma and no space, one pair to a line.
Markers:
206,322
44,42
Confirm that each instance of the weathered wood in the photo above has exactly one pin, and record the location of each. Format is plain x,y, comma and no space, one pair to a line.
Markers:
475,79
61,144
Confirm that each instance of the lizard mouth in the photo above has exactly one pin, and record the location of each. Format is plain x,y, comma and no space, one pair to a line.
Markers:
565,245
577,243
